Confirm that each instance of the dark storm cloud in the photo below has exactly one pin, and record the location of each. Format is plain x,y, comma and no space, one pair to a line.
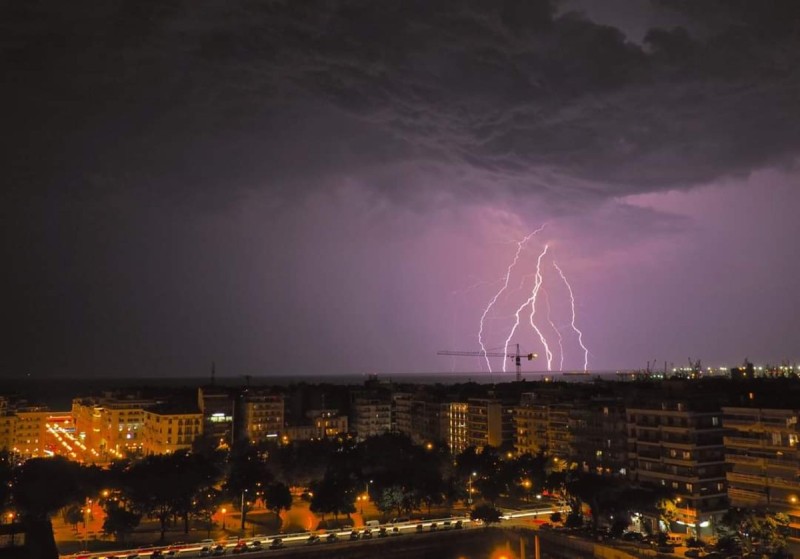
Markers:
137,134
197,98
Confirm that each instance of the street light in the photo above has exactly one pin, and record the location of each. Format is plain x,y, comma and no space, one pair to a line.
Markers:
223,510
11,521
469,487
242,508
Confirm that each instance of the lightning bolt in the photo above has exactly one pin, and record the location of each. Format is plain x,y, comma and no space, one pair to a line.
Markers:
572,302
558,332
520,246
548,354
531,301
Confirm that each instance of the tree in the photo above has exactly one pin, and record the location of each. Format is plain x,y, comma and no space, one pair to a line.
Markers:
119,521
756,525
73,514
247,475
485,513
163,485
278,498
333,495
205,505
41,487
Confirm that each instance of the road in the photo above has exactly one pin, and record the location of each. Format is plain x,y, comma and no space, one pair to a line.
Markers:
344,536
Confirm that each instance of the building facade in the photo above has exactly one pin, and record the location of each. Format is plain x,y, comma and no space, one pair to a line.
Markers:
678,445
263,416
371,416
761,450
168,430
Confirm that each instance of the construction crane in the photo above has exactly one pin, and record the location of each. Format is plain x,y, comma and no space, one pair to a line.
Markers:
517,357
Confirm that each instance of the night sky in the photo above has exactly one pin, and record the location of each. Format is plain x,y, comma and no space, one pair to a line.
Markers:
299,187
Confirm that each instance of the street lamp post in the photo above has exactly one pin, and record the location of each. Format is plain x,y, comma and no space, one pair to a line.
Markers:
11,521
242,508
223,511
469,487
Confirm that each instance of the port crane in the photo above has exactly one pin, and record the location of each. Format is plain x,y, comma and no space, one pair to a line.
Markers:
516,356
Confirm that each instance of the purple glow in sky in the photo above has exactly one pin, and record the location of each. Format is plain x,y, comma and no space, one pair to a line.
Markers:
340,186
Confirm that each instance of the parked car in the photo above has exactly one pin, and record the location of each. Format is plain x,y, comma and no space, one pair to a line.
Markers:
382,532
205,551
446,525
314,539
332,537
366,534
434,526
459,524
218,550
240,547
395,531
420,528
277,543
632,537
354,535
255,545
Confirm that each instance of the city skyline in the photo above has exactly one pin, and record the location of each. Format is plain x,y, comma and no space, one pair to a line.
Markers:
345,187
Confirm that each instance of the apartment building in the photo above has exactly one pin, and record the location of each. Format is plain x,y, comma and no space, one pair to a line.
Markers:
217,405
761,450
110,425
678,445
263,416
324,424
599,436
30,431
489,422
370,416
455,420
168,429
530,425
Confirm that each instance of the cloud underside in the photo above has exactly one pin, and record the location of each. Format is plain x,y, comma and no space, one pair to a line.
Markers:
486,96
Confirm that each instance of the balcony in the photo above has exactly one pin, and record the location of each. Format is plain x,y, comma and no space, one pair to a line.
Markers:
743,442
749,479
784,483
783,463
742,459
738,496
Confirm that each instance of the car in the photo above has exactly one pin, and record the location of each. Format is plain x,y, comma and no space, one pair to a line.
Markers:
217,550
694,552
354,535
366,534
434,526
255,545
277,543
156,554
420,528
240,547
313,539
205,551
132,556
382,532
632,537
332,537
395,531
458,525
